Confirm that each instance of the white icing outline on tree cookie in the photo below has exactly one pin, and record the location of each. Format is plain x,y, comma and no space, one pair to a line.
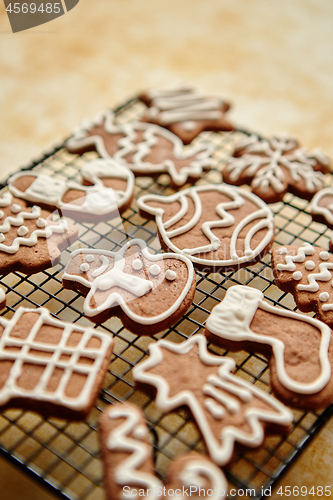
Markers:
316,209
221,447
232,317
227,219
11,390
134,284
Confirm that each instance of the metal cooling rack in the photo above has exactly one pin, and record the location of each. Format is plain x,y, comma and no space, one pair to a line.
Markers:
64,456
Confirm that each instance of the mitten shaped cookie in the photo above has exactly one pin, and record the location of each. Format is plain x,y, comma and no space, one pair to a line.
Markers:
148,292
277,165
129,468
186,111
218,227
49,366
298,346
30,241
109,192
225,407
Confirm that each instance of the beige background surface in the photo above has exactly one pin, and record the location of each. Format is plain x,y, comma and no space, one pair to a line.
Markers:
273,59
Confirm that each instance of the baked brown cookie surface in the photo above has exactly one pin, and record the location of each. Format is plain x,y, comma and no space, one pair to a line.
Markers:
321,207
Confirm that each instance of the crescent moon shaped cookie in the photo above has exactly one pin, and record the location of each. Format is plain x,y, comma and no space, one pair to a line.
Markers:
274,166
49,366
321,207
226,409
186,111
30,241
148,292
145,148
297,345
111,191
218,227
129,467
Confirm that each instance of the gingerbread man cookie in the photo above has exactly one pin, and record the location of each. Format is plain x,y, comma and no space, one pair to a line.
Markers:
225,407
186,111
145,148
148,292
218,227
49,366
30,241
274,166
296,344
321,207
111,191
129,467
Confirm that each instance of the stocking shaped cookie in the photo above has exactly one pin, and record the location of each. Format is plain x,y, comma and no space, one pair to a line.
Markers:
145,148
148,292
30,241
297,345
111,191
49,366
186,111
277,165
218,227
321,207
129,467
226,408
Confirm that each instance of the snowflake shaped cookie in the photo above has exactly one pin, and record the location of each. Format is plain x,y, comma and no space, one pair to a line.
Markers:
274,166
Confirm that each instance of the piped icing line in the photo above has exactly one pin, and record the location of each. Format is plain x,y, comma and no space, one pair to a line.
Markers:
231,319
325,211
2,295
196,469
238,197
26,354
323,275
134,284
221,447
302,252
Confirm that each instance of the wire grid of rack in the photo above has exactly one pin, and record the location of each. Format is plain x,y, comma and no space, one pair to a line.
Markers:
65,455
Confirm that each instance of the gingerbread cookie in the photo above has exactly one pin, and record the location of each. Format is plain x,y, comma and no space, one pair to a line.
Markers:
225,407
186,111
218,227
49,366
30,241
148,292
2,298
321,207
296,344
277,165
145,148
111,191
129,467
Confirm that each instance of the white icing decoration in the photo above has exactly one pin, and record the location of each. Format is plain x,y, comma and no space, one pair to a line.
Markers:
84,267
324,296
220,447
16,208
154,270
231,319
26,354
323,275
22,231
41,223
33,238
89,258
324,255
2,295
290,260
170,275
2,237
1,214
224,218
5,200
325,211
309,265
137,265
131,283
98,199
264,160
101,270
199,155
194,473
282,251
297,275
189,126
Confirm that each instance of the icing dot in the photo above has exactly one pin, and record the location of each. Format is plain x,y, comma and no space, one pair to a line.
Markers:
1,214
41,222
297,275
170,275
84,267
309,265
137,264
189,125
324,296
140,432
2,237
22,231
89,258
16,208
283,251
154,270
324,255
